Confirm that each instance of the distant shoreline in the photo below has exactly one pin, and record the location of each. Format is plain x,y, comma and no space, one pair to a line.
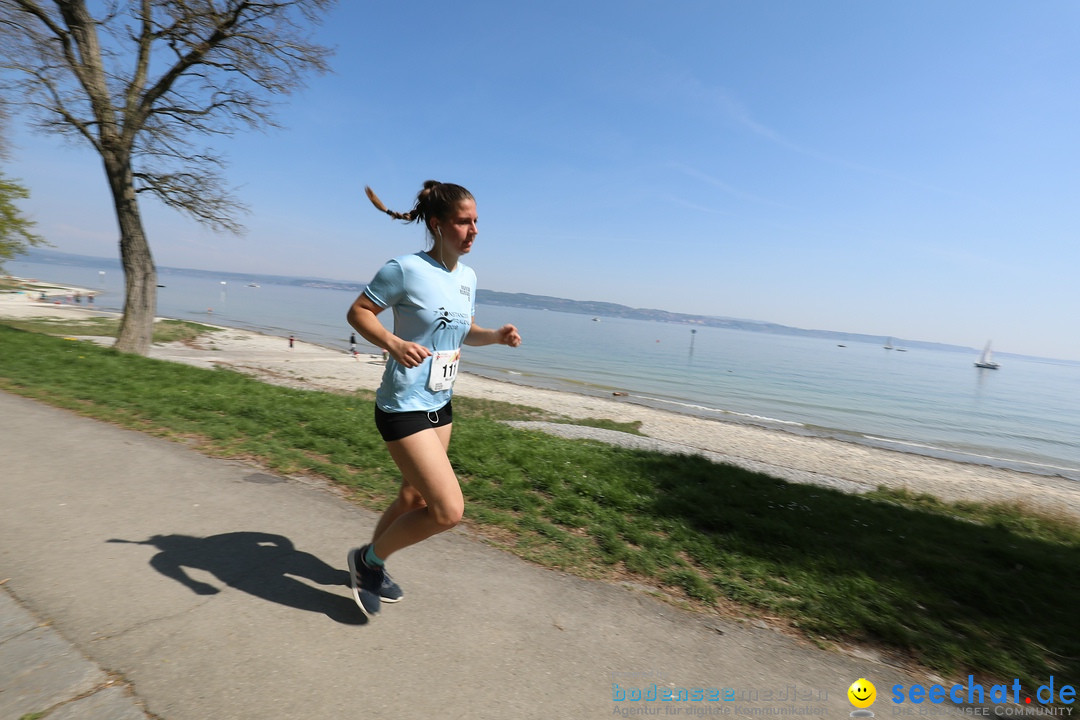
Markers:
546,302
795,456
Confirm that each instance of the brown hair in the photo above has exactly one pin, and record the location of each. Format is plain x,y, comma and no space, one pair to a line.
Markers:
436,201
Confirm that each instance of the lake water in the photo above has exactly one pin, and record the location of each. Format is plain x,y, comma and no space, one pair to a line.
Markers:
1025,415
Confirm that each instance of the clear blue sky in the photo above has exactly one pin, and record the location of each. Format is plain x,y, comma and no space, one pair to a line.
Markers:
897,168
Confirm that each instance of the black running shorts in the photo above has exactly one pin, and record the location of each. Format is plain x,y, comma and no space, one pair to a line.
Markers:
397,425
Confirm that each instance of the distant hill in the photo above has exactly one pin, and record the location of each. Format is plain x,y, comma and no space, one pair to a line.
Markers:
606,309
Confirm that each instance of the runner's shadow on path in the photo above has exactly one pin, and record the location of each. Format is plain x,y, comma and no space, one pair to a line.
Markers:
260,564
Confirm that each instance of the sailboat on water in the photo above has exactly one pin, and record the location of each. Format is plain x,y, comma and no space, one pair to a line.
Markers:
986,360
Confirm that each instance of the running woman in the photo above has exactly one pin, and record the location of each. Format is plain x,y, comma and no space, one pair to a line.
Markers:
433,298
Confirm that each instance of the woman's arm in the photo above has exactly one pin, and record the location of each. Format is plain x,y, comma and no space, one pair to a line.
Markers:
362,317
506,335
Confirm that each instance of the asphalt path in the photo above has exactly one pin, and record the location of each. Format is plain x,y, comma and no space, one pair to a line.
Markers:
139,576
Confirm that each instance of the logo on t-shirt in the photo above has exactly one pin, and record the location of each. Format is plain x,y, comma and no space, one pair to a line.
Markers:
449,319
443,320
466,291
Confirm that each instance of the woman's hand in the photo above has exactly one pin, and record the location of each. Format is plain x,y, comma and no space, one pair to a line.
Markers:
408,354
508,335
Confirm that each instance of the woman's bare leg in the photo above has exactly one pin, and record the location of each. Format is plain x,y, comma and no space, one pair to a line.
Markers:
430,499
408,498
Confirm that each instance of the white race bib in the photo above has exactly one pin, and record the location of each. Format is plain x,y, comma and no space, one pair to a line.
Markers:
444,367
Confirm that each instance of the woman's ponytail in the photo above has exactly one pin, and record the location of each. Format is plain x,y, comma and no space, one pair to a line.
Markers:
407,217
437,200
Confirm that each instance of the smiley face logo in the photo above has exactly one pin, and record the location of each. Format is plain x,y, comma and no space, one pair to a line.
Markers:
862,693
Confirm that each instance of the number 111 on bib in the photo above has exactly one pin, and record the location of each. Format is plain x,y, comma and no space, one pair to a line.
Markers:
444,368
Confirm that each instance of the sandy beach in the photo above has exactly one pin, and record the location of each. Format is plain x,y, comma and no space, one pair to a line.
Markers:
833,463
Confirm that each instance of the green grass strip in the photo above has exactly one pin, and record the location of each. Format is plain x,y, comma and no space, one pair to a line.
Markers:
959,587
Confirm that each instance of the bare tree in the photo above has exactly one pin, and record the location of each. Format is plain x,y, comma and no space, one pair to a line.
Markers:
145,82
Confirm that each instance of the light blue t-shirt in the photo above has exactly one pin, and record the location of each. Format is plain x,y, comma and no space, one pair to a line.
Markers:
433,307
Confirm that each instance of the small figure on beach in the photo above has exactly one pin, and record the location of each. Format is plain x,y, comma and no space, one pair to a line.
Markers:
433,297
292,340
352,343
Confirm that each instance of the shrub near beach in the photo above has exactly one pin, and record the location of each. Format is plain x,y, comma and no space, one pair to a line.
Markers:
957,587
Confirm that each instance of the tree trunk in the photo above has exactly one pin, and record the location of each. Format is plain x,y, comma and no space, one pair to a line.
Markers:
140,275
